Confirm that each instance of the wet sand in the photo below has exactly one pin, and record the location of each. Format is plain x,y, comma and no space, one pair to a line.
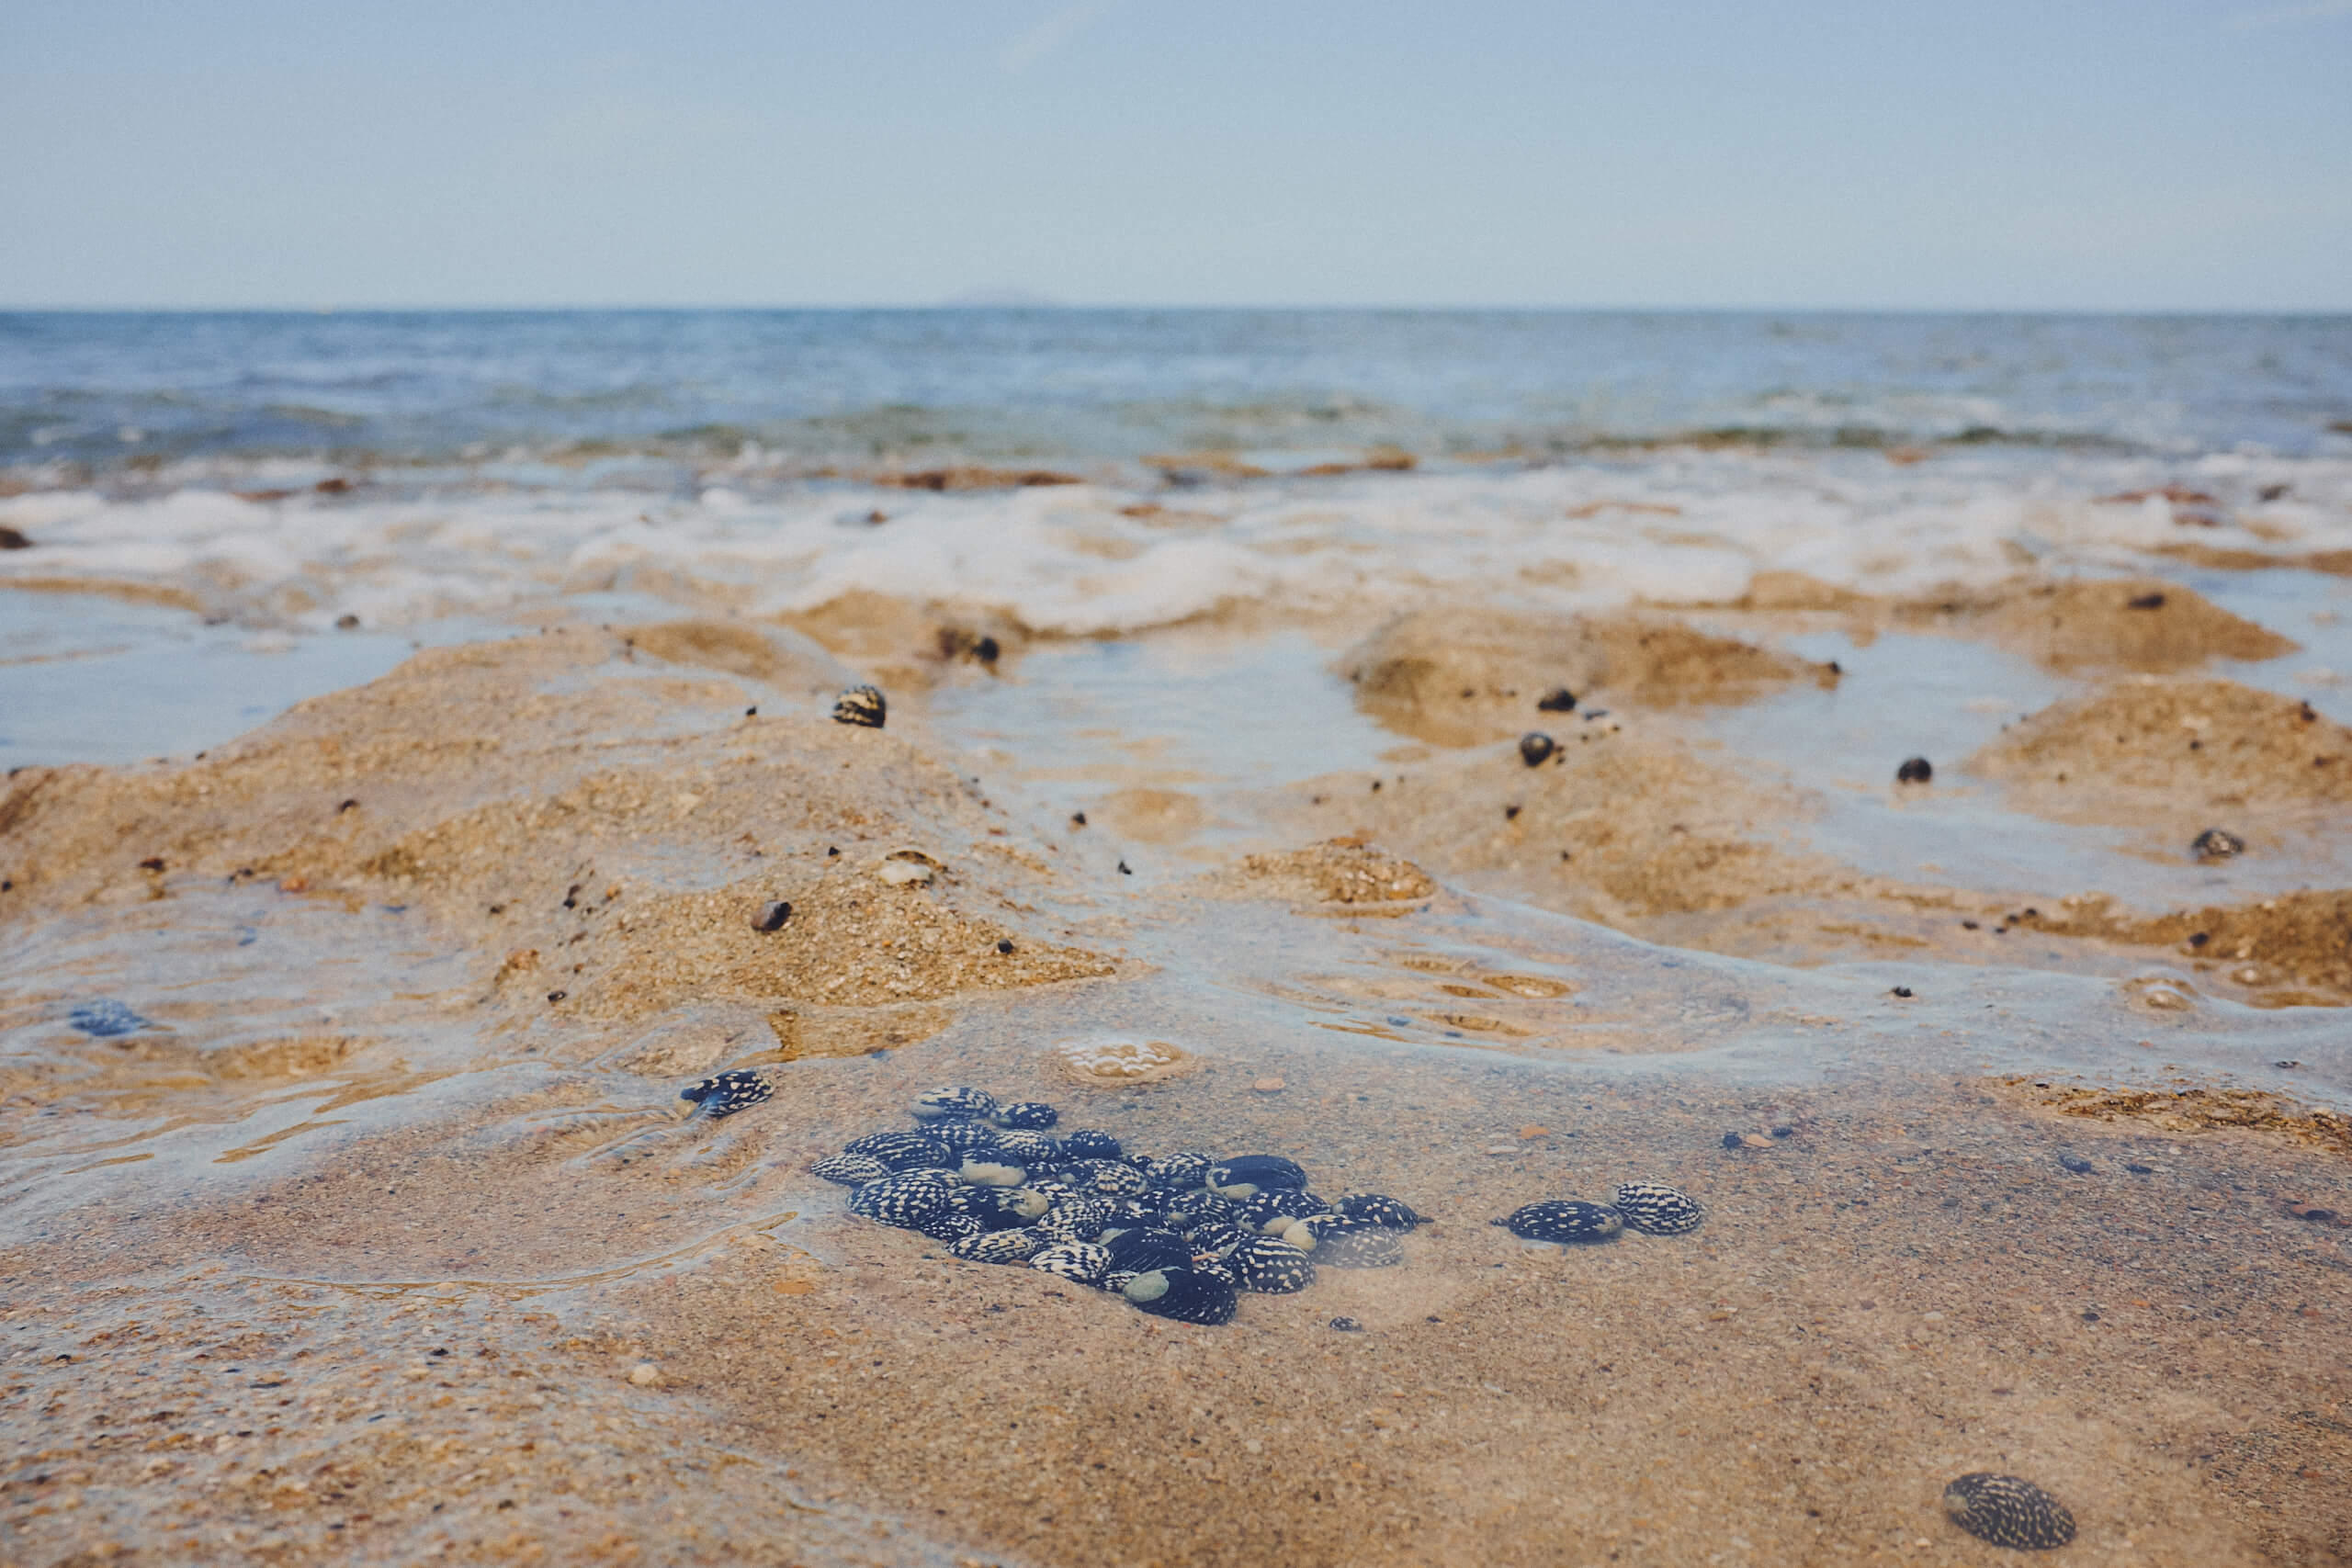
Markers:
388,1239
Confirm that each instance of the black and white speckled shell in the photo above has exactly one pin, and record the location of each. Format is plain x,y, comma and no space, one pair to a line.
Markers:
727,1092
1029,1114
1184,1294
906,1198
1187,1210
1144,1249
980,1171
1108,1177
1276,1208
2008,1511
1029,1148
1343,1243
1078,1218
849,1170
904,1151
862,706
999,1247
1217,1269
962,1136
951,1227
1116,1280
1217,1236
958,1103
1380,1210
998,1208
1655,1209
1085,1142
1184,1171
1564,1221
1245,1174
1143,1210
1079,1260
1264,1263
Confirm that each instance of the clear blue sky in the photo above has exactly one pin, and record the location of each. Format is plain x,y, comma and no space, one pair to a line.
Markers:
2162,154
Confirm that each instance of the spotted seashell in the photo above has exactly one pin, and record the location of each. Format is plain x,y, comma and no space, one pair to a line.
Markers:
1108,1177
1143,1249
976,1172
903,1151
1268,1264
2008,1511
906,1199
951,1227
999,1208
1191,1208
1078,1218
1181,1172
1275,1209
1217,1238
1184,1294
1029,1148
1535,748
1079,1260
1027,1114
1088,1143
860,706
1245,1174
1379,1210
727,1093
1564,1221
849,1170
999,1247
962,1104
2216,843
1657,1210
1373,1247
1141,1210
1116,1280
1217,1269
962,1137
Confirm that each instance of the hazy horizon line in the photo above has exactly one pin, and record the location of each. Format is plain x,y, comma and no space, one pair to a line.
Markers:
1062,307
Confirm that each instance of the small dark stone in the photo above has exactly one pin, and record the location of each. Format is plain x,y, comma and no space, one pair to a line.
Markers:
860,706
343,806
985,650
1904,992
105,1019
1078,819
1559,699
1535,748
12,540
1125,869
2199,939
2008,1511
2145,602
1004,944
2216,843
1347,1326
557,996
2076,1164
2091,1317
2289,1066
751,712
772,916
1784,1131
2140,1170
1731,1140
1915,770
152,862
346,623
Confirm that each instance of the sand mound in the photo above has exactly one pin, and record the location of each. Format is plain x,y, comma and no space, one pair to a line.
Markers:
2292,951
1462,676
1342,871
783,659
599,831
2132,623
902,643
2193,746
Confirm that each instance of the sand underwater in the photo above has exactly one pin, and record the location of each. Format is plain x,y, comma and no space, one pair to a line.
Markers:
368,1224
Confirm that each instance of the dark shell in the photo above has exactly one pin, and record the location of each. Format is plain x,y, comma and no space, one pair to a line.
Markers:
1276,1208
1181,1172
1379,1210
1657,1210
906,1198
729,1092
1264,1263
999,1247
1146,1250
1245,1174
1078,1219
1343,1243
1191,1208
1535,748
1559,699
849,1170
968,1104
1106,1175
904,1151
105,1019
1915,770
2008,1511
860,706
1220,1269
1185,1294
962,1137
998,1208
1082,1261
2216,843
1215,1237
951,1227
1088,1143
1116,1280
1141,1210
1027,1114
1564,1221
1029,1148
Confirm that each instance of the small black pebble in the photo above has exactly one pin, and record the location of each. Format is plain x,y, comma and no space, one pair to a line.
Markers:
2146,601
2290,1065
2199,939
1968,925
751,712
985,650
1078,819
1004,946
1510,813
347,806
831,853
1558,700
2075,1163
1347,1326
1915,770
1784,1132
2091,1317
152,862
1535,748
1731,1140
772,916
1902,991
557,996
1125,870
2140,1170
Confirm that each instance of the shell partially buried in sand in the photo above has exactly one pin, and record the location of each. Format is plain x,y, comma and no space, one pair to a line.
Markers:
1107,1064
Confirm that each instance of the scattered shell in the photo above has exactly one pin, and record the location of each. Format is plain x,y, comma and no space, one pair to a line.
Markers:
951,1229
1184,1294
1268,1086
969,1104
849,1170
105,1019
860,706
1181,1172
999,1208
1559,699
1274,1208
1655,1209
1085,1142
998,1246
1343,1243
1245,1174
2008,1511
1915,770
2216,843
1347,1326
729,1092
1030,1115
1080,1261
904,1151
990,1173
905,873
1564,1221
772,916
1114,1061
908,1199
1029,1148
1144,1249
1535,748
962,1137
1379,1210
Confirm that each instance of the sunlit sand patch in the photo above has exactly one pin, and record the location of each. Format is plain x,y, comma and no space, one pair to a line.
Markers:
1109,1063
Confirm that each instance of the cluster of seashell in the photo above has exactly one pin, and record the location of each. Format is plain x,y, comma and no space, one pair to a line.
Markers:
1179,1236
1650,1207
